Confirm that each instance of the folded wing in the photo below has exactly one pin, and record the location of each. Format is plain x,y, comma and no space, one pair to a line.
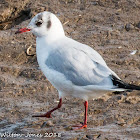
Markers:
82,66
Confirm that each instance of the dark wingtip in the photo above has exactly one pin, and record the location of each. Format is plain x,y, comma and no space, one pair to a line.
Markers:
120,84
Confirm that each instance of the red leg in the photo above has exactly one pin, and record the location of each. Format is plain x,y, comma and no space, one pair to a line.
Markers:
84,125
48,114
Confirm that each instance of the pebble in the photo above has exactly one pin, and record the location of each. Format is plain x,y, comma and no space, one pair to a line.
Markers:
48,123
138,25
97,136
133,52
94,3
128,27
89,136
119,98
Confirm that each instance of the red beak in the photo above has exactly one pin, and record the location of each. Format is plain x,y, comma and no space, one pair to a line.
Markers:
22,30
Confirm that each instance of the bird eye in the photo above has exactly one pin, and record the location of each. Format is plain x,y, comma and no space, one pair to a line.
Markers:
38,23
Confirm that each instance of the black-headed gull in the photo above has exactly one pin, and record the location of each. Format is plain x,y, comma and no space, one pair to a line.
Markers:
73,68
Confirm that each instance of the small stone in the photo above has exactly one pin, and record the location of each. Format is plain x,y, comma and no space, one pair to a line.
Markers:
94,3
49,123
125,94
133,52
127,27
89,136
121,123
138,25
68,128
45,124
96,136
119,98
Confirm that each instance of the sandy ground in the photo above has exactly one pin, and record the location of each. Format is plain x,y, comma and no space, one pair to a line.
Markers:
110,27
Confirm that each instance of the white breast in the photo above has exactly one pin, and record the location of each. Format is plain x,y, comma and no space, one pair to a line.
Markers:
56,78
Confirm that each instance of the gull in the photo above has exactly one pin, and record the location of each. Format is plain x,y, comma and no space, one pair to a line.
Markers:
73,68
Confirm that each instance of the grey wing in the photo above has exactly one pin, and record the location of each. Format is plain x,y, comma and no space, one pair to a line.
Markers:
78,67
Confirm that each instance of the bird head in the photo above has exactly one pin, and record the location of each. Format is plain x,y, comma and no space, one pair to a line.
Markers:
44,24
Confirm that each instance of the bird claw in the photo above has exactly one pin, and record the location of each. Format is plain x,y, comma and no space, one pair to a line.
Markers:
77,127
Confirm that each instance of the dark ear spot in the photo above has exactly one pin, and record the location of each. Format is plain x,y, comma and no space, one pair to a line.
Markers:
49,23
